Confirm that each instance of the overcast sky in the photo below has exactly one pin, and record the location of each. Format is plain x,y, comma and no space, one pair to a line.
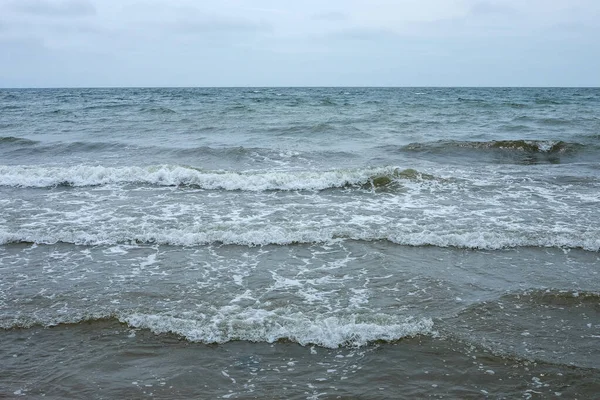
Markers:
65,43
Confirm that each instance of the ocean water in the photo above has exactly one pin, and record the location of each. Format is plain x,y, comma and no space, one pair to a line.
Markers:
302,243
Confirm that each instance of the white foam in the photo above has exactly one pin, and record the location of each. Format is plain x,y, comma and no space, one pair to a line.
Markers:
257,325
272,235
149,261
172,175
493,210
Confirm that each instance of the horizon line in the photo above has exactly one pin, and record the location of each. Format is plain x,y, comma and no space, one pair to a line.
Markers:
301,87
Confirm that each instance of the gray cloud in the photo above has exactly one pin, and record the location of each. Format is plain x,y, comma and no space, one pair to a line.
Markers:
489,8
271,42
216,25
364,34
332,16
33,28
47,8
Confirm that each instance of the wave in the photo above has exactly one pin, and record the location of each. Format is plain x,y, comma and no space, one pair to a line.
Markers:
281,236
516,105
257,325
301,129
78,147
555,121
17,141
555,297
546,101
534,323
532,146
10,106
174,175
109,106
60,111
158,110
472,100
510,151
235,154
535,298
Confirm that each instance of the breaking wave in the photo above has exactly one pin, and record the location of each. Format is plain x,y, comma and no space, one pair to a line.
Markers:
174,175
282,236
258,325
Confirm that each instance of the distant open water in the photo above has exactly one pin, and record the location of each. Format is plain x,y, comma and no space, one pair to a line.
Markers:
300,243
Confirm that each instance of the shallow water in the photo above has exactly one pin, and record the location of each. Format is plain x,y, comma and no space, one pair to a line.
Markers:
300,243
105,359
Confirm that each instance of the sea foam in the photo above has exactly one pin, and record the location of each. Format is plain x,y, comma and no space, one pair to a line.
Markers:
175,175
276,235
259,325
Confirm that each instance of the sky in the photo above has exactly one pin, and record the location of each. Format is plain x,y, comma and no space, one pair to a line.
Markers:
115,43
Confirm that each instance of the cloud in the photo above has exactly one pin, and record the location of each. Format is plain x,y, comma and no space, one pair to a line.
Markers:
216,25
273,42
162,18
48,8
332,16
364,34
489,8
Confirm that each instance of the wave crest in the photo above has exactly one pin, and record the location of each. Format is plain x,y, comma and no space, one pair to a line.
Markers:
17,141
174,175
257,325
282,236
529,146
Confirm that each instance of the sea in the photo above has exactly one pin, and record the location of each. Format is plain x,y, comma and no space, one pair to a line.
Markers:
300,243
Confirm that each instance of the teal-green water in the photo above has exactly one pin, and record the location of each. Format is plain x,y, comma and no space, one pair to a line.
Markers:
300,243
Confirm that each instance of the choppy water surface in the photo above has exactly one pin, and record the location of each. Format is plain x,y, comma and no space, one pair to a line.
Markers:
300,243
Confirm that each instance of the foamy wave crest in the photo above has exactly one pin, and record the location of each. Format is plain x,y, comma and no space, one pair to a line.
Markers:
267,326
258,325
172,175
239,235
